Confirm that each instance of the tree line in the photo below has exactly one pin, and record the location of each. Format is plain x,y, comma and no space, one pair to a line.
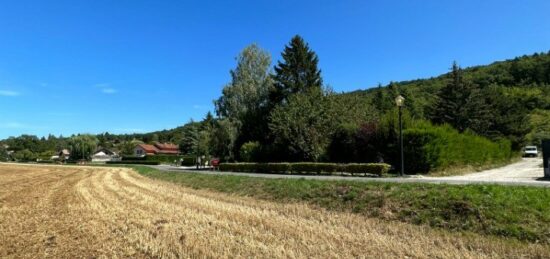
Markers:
287,113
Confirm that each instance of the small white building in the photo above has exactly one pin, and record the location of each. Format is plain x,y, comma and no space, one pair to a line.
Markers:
104,155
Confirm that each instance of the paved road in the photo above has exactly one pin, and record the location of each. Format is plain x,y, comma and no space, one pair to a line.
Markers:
527,172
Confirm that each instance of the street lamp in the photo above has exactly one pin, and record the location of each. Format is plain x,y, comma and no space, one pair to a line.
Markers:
399,101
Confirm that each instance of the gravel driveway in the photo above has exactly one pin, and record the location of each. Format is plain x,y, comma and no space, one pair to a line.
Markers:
526,170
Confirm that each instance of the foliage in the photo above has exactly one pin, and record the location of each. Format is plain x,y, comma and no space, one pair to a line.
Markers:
461,104
4,156
539,123
189,142
127,147
302,127
343,144
169,159
250,151
82,146
307,168
244,100
25,155
429,148
222,139
297,73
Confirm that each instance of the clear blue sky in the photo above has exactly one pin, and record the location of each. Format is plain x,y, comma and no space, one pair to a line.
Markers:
136,66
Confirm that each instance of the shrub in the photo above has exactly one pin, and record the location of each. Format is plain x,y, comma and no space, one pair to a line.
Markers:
136,162
279,167
306,168
317,168
249,151
376,169
133,158
429,148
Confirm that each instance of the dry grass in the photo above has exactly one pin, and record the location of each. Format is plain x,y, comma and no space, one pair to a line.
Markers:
69,212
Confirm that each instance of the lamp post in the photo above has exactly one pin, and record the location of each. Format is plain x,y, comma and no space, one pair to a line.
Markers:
399,101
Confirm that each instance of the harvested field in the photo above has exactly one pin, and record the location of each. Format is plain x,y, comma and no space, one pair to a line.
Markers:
68,212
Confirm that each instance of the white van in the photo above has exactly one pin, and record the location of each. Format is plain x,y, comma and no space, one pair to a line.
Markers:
530,151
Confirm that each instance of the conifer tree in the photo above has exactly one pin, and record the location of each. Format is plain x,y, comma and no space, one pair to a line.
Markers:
297,73
462,105
451,100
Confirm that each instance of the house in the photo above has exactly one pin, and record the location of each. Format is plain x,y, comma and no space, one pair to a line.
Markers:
104,155
156,149
64,155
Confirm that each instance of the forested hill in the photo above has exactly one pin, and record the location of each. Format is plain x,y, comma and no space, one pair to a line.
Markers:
517,92
527,76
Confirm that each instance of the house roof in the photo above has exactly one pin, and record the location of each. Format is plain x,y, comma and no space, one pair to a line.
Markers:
160,148
166,146
148,148
105,151
64,152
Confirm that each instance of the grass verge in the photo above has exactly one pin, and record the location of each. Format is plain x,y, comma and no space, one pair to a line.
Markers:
521,213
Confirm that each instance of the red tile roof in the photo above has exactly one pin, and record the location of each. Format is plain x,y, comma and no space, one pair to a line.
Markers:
166,146
149,149
160,148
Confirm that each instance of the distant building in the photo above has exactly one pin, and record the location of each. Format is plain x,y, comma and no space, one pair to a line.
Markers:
156,149
104,155
64,154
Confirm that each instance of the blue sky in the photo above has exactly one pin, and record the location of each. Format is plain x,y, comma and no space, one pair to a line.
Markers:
136,66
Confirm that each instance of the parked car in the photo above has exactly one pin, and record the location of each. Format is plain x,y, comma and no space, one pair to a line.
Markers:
530,151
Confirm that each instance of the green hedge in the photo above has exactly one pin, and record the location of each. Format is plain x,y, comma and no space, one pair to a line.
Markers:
135,162
431,148
306,168
133,158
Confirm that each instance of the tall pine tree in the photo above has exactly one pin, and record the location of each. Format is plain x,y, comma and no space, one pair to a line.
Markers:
451,100
462,105
298,73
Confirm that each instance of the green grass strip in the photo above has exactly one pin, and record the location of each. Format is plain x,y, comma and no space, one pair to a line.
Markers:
521,213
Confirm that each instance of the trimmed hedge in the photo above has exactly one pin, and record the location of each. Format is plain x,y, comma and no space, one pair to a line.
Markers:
428,148
133,158
307,168
135,162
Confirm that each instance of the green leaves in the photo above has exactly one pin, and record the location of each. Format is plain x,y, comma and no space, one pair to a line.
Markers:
298,73
82,146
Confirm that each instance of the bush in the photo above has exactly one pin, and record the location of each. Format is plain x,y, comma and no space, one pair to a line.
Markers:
278,168
377,169
133,158
429,148
250,151
306,168
135,162
318,168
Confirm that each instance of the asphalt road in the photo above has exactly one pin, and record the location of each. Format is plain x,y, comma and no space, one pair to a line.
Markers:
527,172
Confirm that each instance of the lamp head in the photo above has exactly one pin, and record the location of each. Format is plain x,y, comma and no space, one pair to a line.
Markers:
399,100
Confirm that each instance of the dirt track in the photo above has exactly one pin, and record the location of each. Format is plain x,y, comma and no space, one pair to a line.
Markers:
69,212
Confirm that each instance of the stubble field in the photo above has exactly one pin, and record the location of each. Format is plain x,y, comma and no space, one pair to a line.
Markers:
71,212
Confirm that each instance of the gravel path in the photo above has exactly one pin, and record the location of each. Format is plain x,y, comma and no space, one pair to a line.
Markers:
527,172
